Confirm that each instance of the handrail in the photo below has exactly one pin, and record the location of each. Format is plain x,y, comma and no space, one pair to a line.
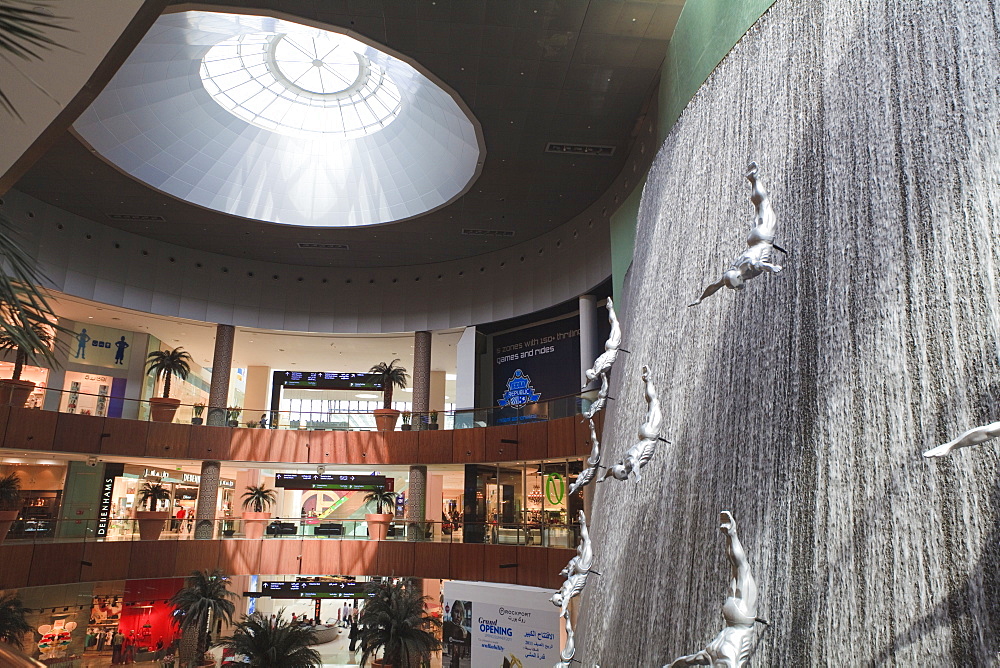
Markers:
557,407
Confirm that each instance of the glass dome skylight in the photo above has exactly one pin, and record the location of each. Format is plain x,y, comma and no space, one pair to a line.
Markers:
301,83
281,122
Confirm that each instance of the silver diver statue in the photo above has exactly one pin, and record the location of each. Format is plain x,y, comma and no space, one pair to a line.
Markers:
576,571
969,438
593,462
732,647
601,401
756,259
649,435
602,365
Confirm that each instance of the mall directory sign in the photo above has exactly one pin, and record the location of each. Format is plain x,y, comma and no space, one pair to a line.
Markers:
323,380
311,590
332,481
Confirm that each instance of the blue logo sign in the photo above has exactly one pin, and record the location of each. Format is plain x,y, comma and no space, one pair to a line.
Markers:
519,391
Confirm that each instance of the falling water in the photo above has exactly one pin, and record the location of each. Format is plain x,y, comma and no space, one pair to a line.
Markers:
803,403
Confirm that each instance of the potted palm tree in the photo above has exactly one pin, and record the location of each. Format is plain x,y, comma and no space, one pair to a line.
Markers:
257,502
13,390
391,376
166,364
394,623
10,502
272,642
204,598
151,520
13,622
378,522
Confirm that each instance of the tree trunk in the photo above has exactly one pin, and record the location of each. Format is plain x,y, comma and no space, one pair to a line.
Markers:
19,358
166,385
188,647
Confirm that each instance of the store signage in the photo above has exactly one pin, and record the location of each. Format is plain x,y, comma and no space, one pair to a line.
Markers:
555,488
291,590
321,380
330,481
100,346
190,478
519,391
111,471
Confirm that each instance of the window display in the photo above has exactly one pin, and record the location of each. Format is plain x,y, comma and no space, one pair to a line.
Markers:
90,394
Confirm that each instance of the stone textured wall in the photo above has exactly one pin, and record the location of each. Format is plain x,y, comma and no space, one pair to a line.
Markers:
803,404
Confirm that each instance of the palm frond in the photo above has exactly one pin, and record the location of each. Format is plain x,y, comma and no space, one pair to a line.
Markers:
272,642
22,34
13,620
393,621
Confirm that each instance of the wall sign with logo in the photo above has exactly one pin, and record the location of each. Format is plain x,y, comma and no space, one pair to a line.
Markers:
100,346
111,471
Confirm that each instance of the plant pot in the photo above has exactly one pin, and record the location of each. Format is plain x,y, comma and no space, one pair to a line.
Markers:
385,418
378,525
406,427
254,523
7,518
162,409
15,392
151,523
233,423
198,420
432,426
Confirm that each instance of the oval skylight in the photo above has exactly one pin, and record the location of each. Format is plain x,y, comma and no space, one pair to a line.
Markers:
276,121
301,84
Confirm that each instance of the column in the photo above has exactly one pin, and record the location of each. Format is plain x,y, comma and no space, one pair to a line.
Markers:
416,503
208,495
421,375
222,365
465,382
589,346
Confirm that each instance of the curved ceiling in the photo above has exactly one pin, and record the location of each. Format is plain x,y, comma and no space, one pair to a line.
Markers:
571,73
262,118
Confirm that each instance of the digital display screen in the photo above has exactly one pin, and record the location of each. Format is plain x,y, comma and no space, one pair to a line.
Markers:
332,481
310,590
323,380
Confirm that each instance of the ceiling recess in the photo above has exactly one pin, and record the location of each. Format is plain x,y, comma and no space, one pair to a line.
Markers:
488,233
580,149
137,217
310,244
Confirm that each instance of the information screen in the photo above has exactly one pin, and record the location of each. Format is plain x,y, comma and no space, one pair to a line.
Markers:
323,380
310,590
332,481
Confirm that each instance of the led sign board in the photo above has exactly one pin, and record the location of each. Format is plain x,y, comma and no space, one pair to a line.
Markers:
310,590
331,481
321,380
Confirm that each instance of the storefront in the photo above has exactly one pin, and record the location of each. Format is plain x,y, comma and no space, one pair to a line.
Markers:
183,489
134,621
41,492
91,394
37,375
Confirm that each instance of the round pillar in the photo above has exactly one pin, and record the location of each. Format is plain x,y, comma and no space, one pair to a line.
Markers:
208,496
589,345
416,503
222,365
421,374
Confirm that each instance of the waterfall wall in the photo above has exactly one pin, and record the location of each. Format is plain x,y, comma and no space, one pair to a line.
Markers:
803,403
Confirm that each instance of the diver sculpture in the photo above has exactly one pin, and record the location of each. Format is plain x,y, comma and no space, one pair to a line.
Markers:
576,571
969,438
601,401
756,259
602,365
649,435
732,647
593,462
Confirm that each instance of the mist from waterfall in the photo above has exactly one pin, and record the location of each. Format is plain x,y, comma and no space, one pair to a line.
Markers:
802,404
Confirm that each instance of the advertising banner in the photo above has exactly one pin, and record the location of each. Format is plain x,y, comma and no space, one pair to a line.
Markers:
100,346
499,626
535,364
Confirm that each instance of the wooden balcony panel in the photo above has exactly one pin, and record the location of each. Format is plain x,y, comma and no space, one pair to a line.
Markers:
400,448
4,419
286,445
497,556
361,446
30,429
239,557
165,439
395,558
196,555
280,556
152,559
532,440
250,445
496,449
125,438
558,558
78,433
436,447
15,566
108,560
563,437
432,560
55,563
533,566
469,446
322,556
323,446
359,557
210,442
467,561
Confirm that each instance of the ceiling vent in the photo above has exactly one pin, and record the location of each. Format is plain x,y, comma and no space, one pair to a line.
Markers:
580,149
488,233
137,218
311,244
